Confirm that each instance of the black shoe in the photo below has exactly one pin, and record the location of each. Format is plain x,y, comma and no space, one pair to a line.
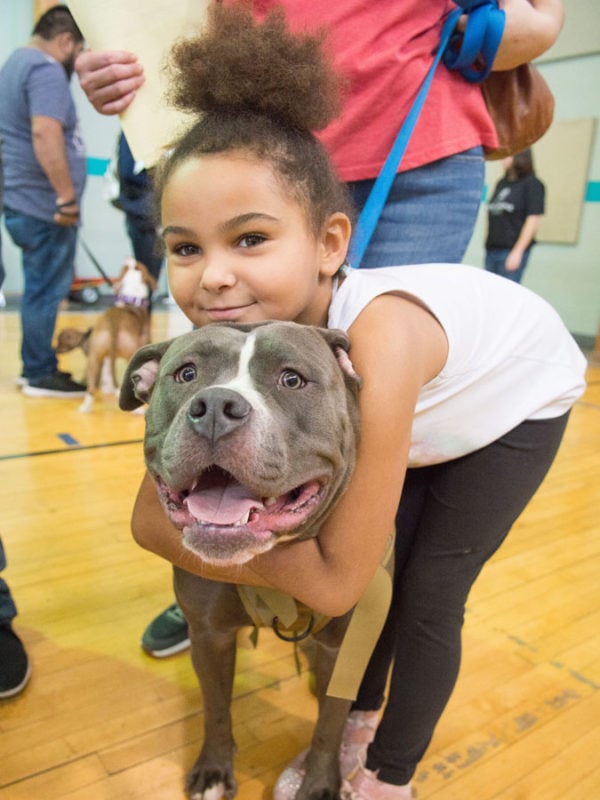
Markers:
21,380
15,669
56,385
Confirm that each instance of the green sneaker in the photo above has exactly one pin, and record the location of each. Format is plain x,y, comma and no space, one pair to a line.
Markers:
167,634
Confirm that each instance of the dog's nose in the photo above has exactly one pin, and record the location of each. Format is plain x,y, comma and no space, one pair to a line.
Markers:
216,412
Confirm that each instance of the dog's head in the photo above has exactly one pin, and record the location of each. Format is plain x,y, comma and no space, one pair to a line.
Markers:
144,276
251,432
70,338
134,285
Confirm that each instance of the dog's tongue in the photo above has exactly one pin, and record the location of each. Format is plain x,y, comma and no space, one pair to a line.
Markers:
223,504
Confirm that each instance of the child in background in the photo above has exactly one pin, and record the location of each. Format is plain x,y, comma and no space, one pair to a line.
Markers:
514,213
467,379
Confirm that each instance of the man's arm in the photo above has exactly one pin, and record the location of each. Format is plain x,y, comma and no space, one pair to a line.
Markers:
51,153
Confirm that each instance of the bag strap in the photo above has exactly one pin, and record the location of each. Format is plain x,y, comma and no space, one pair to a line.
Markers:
485,26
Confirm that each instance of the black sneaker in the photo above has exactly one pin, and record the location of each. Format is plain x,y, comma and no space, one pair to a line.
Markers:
15,669
21,380
56,385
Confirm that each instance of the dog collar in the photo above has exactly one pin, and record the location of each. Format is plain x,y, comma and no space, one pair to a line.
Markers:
142,302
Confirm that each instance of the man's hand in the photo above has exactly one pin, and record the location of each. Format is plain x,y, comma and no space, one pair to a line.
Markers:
109,78
67,213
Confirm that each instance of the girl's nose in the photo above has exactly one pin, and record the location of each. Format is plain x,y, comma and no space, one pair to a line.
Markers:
217,274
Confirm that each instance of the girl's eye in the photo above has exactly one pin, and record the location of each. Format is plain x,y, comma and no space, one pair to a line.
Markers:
251,240
291,380
185,250
185,374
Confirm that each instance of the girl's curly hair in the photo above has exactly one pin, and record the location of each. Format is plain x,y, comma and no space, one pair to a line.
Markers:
259,88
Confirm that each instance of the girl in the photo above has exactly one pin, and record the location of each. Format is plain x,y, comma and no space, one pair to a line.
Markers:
514,213
467,379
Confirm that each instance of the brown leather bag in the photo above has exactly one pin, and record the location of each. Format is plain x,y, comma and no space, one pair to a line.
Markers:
522,107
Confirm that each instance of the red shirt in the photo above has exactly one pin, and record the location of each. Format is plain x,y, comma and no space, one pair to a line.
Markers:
384,48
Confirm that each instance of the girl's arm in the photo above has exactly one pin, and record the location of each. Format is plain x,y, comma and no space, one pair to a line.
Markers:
397,347
526,237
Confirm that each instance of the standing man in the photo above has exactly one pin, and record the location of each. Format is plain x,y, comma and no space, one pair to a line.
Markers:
44,176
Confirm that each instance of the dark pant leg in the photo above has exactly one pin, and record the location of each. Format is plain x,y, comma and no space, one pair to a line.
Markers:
8,610
465,509
145,243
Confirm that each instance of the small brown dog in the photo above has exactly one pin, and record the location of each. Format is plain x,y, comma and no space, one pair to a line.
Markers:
117,333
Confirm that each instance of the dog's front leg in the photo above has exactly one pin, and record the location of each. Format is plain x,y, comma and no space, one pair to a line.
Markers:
322,780
213,643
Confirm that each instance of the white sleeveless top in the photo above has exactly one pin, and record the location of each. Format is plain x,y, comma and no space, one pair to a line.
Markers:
510,357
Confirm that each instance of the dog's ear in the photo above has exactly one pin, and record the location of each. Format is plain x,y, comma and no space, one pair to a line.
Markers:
148,277
140,375
70,338
339,342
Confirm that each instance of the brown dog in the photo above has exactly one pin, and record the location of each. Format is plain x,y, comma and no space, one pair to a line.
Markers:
117,333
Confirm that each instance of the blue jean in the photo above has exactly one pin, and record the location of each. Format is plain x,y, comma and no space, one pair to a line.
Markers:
429,214
47,254
7,606
495,261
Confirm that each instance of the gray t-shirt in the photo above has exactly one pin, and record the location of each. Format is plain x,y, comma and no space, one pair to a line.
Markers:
34,84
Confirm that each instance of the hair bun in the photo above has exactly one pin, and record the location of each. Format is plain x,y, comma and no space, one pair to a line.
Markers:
241,64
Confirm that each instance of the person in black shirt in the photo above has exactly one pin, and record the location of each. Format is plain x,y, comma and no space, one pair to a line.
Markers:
514,213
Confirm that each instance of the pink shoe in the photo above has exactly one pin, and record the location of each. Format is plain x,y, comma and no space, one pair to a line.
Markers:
290,779
358,733
363,784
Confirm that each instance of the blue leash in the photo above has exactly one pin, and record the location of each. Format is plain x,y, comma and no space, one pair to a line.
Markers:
465,53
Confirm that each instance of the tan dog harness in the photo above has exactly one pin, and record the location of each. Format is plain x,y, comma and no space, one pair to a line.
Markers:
293,621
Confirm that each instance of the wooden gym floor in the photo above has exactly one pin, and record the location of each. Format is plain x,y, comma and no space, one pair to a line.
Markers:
102,721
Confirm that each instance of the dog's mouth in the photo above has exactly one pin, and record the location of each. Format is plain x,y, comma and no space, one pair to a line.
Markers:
225,521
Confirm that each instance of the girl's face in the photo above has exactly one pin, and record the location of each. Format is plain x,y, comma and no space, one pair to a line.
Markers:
240,248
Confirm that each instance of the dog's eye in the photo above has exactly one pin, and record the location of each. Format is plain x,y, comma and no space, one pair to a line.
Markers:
185,374
291,380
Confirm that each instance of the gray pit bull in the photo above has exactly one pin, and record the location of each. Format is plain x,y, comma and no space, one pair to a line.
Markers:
251,434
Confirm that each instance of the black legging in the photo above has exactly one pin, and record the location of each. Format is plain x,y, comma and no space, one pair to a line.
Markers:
451,519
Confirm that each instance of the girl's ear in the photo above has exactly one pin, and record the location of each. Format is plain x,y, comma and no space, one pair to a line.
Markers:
335,240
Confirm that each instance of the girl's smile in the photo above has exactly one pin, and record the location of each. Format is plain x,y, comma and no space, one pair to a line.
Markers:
240,247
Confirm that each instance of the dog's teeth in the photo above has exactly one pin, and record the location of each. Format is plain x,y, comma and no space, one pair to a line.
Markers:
269,501
244,519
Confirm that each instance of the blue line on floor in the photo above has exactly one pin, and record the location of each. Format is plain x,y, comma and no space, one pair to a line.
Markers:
74,449
68,439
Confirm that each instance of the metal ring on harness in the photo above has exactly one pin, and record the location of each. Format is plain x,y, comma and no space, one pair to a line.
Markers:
299,637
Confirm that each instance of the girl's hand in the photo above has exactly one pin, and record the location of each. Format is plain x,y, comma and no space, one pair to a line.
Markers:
513,260
109,78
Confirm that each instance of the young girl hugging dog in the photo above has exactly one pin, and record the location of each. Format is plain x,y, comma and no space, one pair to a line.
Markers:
467,378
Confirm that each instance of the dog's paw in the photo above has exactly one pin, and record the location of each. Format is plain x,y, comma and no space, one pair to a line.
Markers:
210,784
86,406
216,792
